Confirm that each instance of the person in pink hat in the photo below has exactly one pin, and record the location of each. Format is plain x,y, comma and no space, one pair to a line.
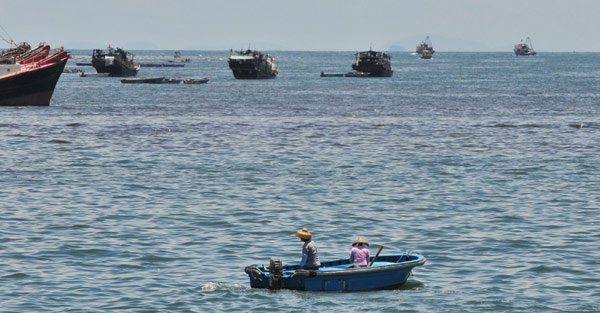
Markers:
360,252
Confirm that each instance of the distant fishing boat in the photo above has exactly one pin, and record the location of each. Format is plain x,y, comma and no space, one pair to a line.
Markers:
524,48
116,62
252,64
384,272
177,58
28,76
426,54
425,45
374,63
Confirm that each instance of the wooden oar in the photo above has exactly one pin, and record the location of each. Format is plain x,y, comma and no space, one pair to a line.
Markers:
375,258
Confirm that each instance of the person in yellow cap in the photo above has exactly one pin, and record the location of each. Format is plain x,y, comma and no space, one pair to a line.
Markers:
310,255
360,252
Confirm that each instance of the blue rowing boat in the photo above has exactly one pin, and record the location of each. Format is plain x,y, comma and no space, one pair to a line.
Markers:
387,272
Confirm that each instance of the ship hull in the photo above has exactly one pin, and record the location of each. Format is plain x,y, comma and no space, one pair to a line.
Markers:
32,87
116,69
249,70
373,70
529,53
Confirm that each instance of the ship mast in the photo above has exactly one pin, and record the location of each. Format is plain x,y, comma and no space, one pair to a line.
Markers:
8,40
528,43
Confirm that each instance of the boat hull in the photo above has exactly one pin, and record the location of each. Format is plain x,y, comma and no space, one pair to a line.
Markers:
116,69
31,88
374,70
523,53
251,70
389,272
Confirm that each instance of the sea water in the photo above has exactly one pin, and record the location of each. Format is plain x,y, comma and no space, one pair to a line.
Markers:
153,198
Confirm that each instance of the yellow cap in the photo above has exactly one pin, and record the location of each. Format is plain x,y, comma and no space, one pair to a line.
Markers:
304,234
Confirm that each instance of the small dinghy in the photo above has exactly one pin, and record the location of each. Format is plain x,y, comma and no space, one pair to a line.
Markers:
323,74
358,74
82,74
147,80
383,272
196,80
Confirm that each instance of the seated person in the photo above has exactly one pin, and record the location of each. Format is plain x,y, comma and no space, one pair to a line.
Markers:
360,252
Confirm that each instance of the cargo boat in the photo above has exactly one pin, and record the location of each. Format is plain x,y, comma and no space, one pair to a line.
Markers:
252,64
116,62
373,63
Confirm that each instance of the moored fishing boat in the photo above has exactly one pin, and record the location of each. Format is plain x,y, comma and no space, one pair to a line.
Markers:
252,64
374,63
387,272
524,48
116,62
28,77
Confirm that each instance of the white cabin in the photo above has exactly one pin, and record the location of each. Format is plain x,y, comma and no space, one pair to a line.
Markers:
7,69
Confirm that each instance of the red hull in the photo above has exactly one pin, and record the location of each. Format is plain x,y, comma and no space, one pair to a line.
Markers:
35,83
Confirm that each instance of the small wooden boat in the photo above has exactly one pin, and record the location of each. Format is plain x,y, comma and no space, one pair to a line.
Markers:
147,80
358,74
387,272
323,74
82,74
196,80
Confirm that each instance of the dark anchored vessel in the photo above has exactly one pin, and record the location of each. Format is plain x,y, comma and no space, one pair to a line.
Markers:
252,64
116,62
373,63
28,76
524,48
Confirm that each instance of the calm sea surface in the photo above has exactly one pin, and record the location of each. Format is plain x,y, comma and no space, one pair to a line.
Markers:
153,198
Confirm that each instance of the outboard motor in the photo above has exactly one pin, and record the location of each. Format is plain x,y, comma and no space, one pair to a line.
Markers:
275,273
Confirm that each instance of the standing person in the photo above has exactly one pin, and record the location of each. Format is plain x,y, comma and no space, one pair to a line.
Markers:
310,255
360,252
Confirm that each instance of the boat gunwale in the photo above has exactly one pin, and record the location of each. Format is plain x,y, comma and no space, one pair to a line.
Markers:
360,270
38,66
363,270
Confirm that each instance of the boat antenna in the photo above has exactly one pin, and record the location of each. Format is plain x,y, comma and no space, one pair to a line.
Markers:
528,42
9,40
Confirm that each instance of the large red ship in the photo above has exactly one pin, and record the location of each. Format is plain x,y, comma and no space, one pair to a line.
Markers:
28,76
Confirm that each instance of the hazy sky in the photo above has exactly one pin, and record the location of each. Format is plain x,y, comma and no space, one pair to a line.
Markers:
454,25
